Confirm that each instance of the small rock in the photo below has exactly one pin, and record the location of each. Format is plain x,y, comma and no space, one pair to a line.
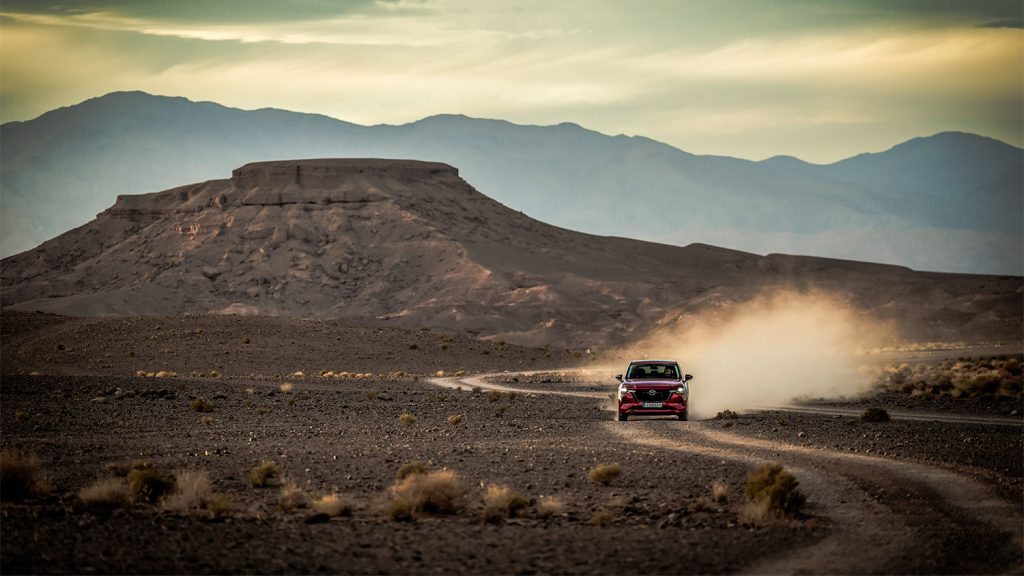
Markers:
317,518
219,396
801,434
99,399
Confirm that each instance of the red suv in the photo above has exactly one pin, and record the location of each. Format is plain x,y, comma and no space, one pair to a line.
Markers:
653,387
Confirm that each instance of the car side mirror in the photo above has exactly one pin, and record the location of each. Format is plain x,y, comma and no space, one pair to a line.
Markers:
687,377
618,377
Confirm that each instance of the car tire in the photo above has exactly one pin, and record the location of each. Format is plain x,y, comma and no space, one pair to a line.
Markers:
684,416
622,417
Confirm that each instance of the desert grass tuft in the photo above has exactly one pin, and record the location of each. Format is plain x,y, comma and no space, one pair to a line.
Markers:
755,514
266,474
410,469
292,497
726,415
437,492
720,492
604,474
146,484
549,506
201,405
193,490
105,494
603,517
776,489
502,503
493,395
287,387
332,505
407,419
454,420
20,476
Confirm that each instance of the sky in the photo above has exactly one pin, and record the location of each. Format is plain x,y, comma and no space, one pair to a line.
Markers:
820,80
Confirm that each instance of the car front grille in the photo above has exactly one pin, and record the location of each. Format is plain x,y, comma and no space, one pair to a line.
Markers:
646,396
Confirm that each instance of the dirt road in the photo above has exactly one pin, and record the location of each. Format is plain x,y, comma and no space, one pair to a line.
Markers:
886,515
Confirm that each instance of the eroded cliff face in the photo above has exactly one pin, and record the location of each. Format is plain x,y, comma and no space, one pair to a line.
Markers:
413,242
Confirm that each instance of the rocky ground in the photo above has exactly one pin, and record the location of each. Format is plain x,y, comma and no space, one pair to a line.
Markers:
71,397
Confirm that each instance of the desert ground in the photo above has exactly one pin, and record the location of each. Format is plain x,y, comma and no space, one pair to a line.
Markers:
341,408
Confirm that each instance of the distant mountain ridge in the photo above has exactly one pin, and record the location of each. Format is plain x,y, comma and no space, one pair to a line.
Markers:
948,202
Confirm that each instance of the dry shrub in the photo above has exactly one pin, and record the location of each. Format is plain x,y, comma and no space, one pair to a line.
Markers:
292,497
297,374
439,374
408,419
105,493
726,415
193,490
875,414
20,476
266,474
493,395
999,376
201,405
720,492
409,469
775,488
332,505
603,517
220,505
549,506
502,503
604,474
755,514
437,492
146,484
455,420
287,387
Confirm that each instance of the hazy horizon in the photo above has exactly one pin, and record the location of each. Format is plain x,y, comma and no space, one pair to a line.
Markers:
742,79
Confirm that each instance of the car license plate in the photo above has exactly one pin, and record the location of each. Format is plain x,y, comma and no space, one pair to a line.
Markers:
652,404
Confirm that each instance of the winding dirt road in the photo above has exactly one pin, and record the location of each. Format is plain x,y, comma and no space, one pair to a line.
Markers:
885,515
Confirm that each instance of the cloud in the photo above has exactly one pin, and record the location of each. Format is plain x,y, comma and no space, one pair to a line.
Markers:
814,80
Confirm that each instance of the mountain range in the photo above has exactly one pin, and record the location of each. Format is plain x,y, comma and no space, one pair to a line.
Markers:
412,242
948,202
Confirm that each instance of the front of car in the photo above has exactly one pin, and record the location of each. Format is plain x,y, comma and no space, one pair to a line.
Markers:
653,388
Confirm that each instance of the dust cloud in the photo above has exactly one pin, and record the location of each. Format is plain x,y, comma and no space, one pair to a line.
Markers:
778,347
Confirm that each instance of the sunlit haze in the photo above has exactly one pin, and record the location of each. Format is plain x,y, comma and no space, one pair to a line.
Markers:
817,80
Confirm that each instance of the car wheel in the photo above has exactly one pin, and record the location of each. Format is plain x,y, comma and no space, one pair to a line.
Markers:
684,416
622,417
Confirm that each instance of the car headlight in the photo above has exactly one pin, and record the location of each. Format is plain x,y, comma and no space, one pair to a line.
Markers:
683,389
623,390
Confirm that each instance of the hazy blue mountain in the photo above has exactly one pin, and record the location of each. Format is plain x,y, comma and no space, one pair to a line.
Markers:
949,202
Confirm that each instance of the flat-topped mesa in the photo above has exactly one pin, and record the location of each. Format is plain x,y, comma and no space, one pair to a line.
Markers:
331,180
329,172
316,181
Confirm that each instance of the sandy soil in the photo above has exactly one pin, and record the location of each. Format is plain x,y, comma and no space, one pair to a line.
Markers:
921,501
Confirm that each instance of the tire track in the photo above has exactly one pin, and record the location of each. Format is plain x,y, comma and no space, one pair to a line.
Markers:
885,515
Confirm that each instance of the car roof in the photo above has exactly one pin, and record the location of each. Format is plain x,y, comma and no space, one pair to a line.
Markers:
653,362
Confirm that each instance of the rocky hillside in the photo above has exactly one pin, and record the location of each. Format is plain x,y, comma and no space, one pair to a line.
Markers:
412,242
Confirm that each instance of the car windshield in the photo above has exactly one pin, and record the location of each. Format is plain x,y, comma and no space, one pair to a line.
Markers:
643,371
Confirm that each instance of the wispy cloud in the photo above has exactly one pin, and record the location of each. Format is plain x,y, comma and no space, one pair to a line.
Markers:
745,78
